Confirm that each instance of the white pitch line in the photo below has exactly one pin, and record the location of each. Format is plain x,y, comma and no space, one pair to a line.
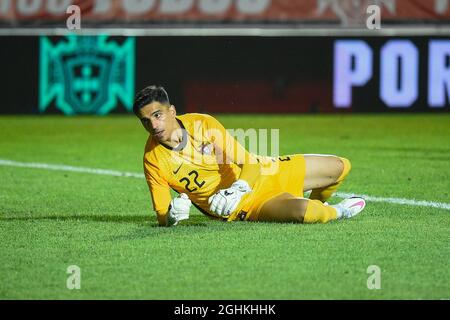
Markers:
411,202
59,167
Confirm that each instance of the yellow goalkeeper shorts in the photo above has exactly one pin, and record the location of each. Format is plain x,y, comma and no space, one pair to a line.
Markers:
279,175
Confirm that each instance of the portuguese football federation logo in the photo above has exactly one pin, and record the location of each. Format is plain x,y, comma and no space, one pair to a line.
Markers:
86,74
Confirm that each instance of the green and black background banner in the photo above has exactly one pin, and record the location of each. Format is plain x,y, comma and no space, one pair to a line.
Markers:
100,74
46,68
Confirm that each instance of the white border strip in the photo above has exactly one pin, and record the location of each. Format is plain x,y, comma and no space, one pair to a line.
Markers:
59,167
293,31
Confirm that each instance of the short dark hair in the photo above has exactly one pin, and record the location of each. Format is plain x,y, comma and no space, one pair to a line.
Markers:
149,95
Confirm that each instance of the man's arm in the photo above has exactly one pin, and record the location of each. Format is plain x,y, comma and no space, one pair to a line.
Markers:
168,211
160,194
177,209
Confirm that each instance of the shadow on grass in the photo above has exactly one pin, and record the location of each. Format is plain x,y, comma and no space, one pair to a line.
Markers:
151,229
144,232
84,217
143,220
146,226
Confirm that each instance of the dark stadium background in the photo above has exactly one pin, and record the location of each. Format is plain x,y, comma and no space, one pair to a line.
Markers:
225,74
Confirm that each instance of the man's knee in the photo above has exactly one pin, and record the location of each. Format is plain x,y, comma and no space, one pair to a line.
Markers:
344,168
324,170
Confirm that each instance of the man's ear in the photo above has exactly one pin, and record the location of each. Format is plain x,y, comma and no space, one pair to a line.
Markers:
173,109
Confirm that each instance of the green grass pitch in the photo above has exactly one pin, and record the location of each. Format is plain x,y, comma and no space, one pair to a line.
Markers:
50,220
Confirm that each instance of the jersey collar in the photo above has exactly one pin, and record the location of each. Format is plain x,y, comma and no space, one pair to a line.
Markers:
184,140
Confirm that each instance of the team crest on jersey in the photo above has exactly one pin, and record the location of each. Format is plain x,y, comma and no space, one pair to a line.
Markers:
86,74
206,148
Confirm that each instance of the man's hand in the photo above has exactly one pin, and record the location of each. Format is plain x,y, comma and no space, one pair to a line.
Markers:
178,209
226,201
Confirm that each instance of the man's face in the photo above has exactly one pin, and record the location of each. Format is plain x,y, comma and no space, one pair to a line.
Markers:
159,120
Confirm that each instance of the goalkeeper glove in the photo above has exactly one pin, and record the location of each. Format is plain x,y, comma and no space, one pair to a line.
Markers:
179,209
226,201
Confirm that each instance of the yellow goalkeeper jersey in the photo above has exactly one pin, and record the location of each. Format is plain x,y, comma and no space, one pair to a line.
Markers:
207,160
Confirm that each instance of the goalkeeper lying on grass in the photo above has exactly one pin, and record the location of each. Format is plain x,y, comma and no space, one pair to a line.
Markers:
194,155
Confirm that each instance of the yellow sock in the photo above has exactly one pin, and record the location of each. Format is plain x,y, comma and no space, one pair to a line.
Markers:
316,211
323,194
